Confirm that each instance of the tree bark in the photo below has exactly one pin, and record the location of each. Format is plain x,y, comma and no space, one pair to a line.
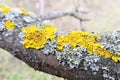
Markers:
49,63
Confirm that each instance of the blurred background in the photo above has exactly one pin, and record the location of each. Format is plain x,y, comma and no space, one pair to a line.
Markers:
103,15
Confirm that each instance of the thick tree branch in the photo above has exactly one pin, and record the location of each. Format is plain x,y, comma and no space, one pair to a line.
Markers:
49,64
10,41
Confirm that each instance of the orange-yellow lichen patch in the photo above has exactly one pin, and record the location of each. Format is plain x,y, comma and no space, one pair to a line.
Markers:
116,58
36,37
75,38
23,11
50,29
30,29
10,25
5,9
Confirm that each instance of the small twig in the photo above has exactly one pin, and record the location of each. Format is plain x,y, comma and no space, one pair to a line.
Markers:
78,17
82,25
58,14
82,20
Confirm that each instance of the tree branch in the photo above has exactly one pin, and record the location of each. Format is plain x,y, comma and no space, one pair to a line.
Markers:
74,13
58,14
10,41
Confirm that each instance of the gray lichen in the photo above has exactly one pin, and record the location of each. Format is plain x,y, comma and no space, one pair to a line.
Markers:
50,47
107,74
111,41
1,11
21,37
28,19
70,57
10,16
91,61
2,26
16,12
8,33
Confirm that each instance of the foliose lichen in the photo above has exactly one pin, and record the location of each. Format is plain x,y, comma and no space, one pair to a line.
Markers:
2,26
71,49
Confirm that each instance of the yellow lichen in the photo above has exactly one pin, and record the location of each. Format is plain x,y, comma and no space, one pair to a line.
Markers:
30,29
86,40
9,25
75,38
50,29
23,11
116,58
36,37
5,9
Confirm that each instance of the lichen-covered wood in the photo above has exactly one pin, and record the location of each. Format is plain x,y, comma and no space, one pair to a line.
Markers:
74,56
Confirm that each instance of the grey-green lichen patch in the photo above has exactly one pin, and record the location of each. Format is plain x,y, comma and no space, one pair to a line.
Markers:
10,16
107,74
20,25
70,57
94,68
2,26
21,37
111,41
28,19
8,33
50,47
91,59
45,22
16,12
1,11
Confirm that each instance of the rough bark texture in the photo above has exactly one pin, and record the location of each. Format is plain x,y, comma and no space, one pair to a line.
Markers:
49,63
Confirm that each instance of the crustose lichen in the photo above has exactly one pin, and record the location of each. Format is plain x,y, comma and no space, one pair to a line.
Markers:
71,49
